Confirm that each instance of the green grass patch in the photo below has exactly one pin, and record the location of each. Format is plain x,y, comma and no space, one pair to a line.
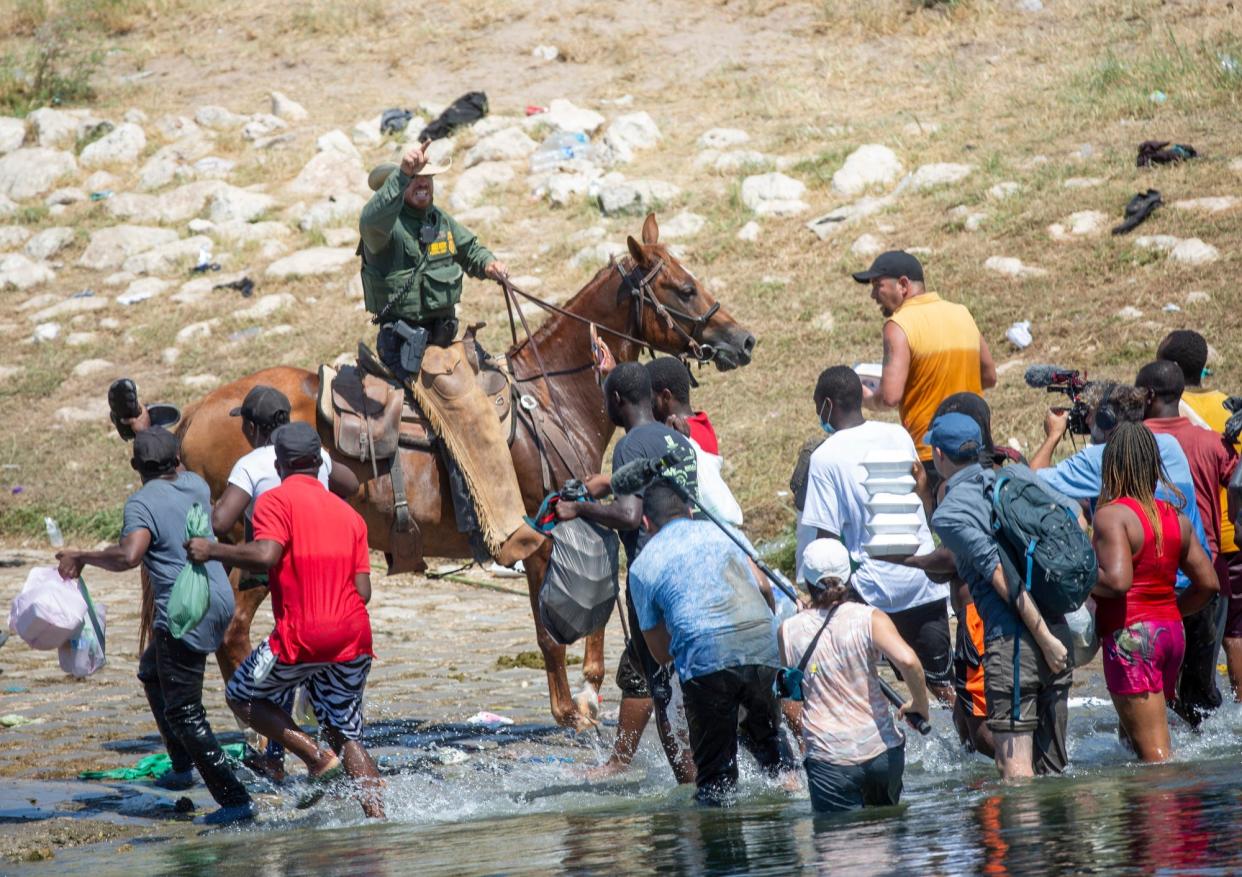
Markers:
26,520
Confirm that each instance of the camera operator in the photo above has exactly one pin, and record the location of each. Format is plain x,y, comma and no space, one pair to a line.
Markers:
1081,477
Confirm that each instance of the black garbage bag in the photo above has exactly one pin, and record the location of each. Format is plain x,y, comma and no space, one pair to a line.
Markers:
1164,152
466,110
394,121
580,586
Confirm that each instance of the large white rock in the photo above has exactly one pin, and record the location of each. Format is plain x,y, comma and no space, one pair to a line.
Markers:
201,382
366,132
749,232
17,271
94,411
485,127
69,307
330,172
120,146
170,127
1193,251
142,289
230,204
868,165
110,247
867,245
507,144
773,194
218,118
629,133
286,107
261,125
53,128
212,167
31,171
1083,182
596,254
266,305
167,258
238,232
722,138
1162,242
13,236
1012,267
734,161
12,134
171,162
1218,204
929,176
88,367
178,205
313,261
1084,223
62,197
1004,190
564,116
474,182
635,196
196,331
329,212
49,242
561,188
682,225
337,140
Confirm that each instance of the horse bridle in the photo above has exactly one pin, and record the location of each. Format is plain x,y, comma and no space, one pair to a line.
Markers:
638,285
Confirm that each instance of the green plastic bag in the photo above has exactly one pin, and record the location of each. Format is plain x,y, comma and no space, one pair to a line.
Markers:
191,592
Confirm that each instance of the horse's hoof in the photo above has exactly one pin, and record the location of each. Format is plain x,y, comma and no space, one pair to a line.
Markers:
587,702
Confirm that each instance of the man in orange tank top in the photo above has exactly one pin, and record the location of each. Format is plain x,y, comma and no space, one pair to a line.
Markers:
932,348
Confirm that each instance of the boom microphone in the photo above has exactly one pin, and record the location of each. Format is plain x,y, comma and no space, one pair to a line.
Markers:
1040,376
637,474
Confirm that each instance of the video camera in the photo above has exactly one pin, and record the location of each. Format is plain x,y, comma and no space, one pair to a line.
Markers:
1067,381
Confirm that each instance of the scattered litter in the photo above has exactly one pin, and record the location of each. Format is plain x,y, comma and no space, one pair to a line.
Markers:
1157,97
17,489
204,262
84,293
14,689
245,286
1163,152
102,195
54,537
13,720
395,120
47,332
546,53
132,298
534,109
1171,308
466,110
488,720
154,766
560,147
1138,209
1019,334
546,759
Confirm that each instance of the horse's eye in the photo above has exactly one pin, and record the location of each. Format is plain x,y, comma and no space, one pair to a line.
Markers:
687,291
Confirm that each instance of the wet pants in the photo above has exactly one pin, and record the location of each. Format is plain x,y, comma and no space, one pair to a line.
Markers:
172,676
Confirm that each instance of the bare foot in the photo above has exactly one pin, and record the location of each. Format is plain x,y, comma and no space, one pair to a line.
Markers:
609,768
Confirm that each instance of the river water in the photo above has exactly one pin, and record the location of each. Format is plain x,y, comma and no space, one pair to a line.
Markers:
465,802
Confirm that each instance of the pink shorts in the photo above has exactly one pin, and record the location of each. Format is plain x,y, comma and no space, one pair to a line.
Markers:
1145,657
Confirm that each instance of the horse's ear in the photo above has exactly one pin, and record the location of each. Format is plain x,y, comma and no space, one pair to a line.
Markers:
637,252
651,231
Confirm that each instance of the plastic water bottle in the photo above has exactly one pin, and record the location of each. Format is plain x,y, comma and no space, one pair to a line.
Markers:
53,533
562,146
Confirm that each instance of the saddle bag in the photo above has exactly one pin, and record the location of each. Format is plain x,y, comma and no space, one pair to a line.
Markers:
580,586
366,419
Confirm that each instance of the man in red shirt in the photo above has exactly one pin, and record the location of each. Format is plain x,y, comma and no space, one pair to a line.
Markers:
670,386
1211,460
314,548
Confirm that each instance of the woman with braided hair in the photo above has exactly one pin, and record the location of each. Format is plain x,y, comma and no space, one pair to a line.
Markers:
1141,542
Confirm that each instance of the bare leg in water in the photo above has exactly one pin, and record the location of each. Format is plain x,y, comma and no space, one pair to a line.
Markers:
274,723
1144,725
632,720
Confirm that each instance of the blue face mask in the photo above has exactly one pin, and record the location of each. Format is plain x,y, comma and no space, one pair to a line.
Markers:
823,421
827,427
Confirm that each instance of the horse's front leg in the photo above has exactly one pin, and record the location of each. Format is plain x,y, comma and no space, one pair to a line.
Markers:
564,710
235,647
593,666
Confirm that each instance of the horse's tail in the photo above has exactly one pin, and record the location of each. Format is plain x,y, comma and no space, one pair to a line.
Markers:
147,618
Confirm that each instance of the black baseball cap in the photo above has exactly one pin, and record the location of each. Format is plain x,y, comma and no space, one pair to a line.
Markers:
894,263
297,446
156,451
265,406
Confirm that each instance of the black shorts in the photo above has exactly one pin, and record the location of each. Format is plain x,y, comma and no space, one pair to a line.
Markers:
639,675
926,629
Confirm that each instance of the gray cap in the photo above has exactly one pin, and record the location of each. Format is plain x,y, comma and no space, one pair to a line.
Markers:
156,451
297,446
380,174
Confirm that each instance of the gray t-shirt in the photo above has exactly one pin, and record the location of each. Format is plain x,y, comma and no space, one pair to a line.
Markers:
160,507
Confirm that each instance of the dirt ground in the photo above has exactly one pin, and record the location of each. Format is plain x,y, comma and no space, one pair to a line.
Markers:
441,650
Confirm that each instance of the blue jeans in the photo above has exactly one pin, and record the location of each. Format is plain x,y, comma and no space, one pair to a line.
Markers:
837,788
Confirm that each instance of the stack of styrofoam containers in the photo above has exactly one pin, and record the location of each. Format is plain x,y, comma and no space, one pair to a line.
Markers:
893,519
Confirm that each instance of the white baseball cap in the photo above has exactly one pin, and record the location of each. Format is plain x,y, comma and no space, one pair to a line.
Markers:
826,559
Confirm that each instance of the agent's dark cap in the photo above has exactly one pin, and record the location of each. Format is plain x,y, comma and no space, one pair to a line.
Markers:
956,435
297,446
265,406
894,263
156,451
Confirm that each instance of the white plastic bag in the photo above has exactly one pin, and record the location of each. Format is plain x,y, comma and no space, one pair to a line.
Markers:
714,494
1083,642
84,655
49,611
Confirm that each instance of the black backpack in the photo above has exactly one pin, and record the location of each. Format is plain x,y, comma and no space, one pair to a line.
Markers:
1045,548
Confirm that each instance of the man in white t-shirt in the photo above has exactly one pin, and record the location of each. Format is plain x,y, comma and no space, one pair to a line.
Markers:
836,507
262,411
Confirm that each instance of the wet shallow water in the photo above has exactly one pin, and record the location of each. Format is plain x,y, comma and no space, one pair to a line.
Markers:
461,802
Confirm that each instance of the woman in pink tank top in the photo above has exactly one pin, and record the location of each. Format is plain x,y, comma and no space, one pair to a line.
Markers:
1141,542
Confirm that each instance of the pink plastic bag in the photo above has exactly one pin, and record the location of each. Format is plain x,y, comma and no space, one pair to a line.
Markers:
48,611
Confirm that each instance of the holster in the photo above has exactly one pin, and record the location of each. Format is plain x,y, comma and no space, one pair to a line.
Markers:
413,345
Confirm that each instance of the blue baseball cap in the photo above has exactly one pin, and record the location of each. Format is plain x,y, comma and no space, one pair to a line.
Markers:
956,435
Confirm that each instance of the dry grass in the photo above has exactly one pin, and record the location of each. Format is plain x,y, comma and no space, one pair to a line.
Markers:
971,81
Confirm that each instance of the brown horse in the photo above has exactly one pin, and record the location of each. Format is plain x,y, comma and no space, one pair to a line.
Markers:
656,301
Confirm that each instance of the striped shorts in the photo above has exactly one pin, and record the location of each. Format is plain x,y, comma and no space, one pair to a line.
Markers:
335,689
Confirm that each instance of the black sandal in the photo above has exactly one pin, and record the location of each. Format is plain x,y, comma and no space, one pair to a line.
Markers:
123,405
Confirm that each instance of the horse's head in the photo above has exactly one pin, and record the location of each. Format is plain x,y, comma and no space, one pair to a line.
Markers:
675,314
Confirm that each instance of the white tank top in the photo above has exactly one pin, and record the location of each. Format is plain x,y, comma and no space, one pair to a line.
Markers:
845,716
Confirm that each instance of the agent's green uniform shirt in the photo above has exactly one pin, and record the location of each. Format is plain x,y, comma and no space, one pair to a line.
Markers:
392,254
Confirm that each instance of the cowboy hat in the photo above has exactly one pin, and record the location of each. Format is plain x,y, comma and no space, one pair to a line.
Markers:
380,173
